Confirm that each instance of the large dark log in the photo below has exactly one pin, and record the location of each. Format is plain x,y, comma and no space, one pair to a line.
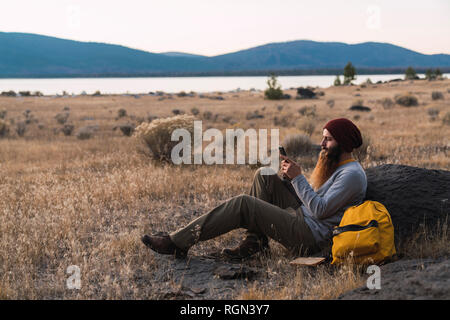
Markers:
413,196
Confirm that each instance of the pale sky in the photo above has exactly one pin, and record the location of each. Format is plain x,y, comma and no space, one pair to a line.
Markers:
211,27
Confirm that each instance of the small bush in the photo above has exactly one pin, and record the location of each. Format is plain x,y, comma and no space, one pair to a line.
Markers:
273,92
406,100
446,119
433,112
4,128
283,121
330,103
121,113
362,152
308,111
297,145
207,115
306,125
21,128
387,103
195,111
177,112
85,133
337,81
437,95
67,129
157,135
254,115
9,93
150,117
62,117
127,129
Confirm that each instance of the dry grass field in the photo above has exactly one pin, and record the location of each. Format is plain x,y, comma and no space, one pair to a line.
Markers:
66,201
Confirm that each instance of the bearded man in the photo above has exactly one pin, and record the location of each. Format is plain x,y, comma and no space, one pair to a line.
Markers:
302,222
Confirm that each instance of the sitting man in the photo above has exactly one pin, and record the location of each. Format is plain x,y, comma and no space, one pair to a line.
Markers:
302,222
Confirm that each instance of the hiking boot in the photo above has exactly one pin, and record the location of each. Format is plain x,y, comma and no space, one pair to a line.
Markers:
251,245
163,245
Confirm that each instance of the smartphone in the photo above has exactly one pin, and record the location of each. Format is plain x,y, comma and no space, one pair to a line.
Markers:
282,151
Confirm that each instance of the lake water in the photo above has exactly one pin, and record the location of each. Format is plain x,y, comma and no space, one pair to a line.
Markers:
172,84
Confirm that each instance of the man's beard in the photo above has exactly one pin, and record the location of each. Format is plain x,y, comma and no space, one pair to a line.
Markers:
326,165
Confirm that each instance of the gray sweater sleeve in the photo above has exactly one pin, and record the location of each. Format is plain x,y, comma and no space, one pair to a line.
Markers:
343,189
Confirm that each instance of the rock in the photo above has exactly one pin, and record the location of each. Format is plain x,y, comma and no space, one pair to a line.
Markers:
203,277
408,279
413,196
229,272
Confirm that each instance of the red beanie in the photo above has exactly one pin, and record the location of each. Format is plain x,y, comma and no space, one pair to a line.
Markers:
345,132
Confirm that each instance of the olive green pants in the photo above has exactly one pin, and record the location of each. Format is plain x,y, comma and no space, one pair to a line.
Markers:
270,209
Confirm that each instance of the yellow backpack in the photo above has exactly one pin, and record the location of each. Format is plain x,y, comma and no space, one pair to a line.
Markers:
365,235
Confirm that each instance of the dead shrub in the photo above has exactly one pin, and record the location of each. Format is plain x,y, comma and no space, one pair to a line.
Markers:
297,145
308,111
67,129
306,125
61,118
157,135
406,100
437,95
85,133
363,152
121,113
446,119
387,103
21,128
4,128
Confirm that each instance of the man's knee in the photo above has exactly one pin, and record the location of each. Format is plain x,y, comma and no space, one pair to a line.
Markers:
262,176
243,198
265,172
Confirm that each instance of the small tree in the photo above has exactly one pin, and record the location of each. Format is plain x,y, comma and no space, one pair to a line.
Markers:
429,75
337,81
438,73
349,73
274,91
410,74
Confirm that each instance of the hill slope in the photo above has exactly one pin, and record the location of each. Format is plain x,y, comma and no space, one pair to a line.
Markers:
23,54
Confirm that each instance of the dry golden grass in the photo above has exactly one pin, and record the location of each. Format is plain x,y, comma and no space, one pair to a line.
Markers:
65,201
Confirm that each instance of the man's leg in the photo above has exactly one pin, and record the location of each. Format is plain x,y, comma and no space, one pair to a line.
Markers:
272,189
255,215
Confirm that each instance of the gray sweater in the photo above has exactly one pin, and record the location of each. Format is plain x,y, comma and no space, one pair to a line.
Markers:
324,209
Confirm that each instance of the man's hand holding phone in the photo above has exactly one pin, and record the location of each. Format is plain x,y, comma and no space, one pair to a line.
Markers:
289,168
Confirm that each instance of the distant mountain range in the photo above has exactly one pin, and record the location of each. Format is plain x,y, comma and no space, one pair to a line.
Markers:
32,55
